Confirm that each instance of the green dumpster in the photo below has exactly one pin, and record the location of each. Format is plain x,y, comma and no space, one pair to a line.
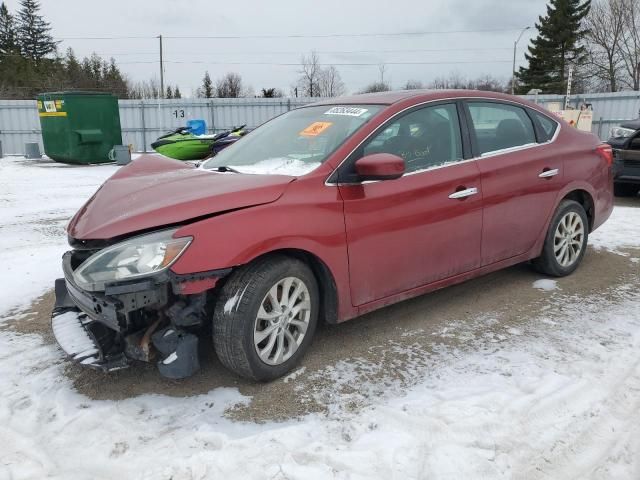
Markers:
79,127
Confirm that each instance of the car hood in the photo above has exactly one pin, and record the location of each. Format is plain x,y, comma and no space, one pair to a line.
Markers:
155,191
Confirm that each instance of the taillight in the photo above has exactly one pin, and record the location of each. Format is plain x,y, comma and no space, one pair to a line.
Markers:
606,153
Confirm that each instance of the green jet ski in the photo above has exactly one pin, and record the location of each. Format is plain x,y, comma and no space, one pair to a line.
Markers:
182,144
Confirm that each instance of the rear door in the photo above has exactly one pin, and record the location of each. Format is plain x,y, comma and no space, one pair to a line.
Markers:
520,175
423,227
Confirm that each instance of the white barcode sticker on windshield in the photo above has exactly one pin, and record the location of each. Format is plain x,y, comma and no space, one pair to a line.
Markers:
348,111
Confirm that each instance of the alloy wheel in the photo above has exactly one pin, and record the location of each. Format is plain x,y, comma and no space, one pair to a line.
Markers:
569,239
282,321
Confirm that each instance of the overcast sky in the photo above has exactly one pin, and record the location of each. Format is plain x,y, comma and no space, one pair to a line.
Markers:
470,54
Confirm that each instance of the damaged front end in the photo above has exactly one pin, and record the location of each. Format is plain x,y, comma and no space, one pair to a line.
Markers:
121,303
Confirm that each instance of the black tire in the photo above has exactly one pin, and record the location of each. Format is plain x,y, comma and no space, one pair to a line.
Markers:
547,263
233,328
625,189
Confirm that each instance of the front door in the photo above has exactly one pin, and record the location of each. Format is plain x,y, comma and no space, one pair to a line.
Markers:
423,227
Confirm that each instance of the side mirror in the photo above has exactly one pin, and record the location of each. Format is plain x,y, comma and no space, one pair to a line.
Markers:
380,166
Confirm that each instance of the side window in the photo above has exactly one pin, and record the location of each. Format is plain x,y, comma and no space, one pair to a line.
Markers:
425,138
499,126
548,126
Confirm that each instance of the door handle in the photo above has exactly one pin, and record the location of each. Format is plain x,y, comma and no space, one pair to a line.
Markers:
548,173
461,194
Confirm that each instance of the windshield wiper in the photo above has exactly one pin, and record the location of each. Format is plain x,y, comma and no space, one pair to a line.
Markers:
225,168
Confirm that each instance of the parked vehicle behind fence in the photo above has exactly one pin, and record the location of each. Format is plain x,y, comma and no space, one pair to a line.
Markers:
323,214
625,140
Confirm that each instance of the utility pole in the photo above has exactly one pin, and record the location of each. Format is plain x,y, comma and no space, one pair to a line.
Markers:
567,101
515,47
161,70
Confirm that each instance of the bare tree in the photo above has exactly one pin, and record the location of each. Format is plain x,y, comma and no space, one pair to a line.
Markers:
229,86
376,87
145,89
605,27
630,44
310,75
330,83
488,83
454,81
413,85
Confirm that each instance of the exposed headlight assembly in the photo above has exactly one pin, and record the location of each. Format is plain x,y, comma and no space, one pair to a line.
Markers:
621,132
135,258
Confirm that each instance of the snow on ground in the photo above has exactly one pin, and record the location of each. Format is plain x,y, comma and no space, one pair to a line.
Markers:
557,398
37,199
621,230
546,284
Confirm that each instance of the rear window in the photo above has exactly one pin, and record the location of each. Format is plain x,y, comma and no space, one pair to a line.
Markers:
547,125
500,126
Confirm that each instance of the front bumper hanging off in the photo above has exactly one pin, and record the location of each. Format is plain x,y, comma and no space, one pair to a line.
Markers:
81,337
130,321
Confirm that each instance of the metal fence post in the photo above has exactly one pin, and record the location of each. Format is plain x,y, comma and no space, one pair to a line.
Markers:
600,122
213,118
144,127
288,104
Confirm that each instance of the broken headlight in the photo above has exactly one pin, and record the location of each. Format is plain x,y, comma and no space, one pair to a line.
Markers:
134,258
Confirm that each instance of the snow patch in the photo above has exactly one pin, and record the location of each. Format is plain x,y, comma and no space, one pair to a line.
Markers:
292,376
170,359
546,284
622,230
229,304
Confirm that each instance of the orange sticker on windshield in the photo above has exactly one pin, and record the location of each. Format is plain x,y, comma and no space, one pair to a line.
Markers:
315,129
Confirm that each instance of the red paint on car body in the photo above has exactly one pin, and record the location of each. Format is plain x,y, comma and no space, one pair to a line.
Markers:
382,242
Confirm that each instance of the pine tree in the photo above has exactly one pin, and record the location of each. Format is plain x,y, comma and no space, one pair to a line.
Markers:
169,93
207,86
73,70
557,47
8,43
176,92
33,32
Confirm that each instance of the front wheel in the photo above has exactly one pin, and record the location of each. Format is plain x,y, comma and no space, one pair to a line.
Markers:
265,317
566,241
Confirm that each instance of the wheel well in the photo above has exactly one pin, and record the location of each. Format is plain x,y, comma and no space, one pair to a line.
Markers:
583,198
326,283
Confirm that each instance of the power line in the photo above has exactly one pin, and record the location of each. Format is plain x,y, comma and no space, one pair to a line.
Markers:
307,35
107,38
341,35
322,52
364,64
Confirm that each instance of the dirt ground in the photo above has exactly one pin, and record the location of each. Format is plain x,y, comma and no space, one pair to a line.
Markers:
377,347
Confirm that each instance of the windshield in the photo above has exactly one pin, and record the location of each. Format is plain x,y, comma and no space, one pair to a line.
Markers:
295,143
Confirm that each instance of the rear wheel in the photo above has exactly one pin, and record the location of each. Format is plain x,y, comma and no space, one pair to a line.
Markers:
625,189
265,317
566,241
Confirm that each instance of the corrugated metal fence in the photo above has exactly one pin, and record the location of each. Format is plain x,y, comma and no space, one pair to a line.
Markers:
145,120
609,109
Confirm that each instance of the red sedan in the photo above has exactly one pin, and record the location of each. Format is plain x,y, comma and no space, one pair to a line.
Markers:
322,214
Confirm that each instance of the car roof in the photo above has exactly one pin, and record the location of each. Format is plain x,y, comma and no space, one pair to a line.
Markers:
389,98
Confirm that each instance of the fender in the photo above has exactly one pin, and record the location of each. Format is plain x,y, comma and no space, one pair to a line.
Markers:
295,221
